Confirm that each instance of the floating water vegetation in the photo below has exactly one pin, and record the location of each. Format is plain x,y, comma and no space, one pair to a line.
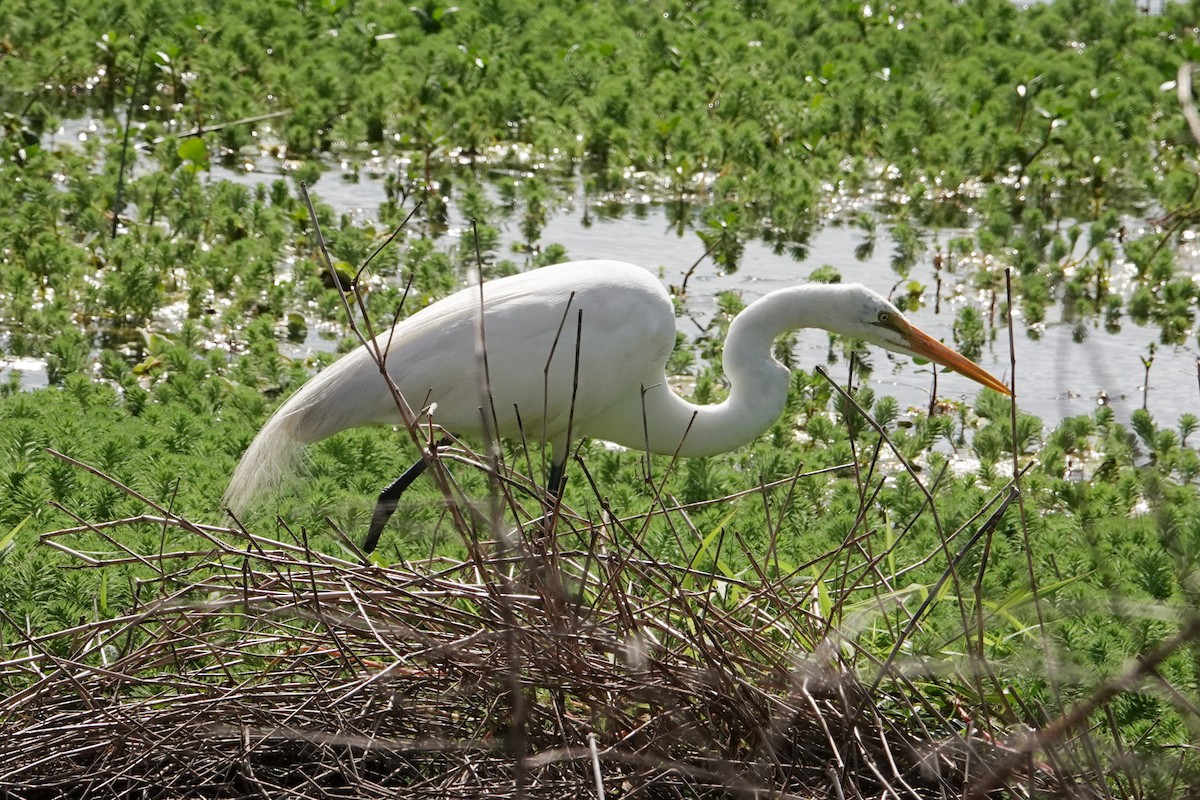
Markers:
969,141
1046,131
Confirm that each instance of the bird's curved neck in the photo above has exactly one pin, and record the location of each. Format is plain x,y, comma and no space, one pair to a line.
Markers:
748,346
758,382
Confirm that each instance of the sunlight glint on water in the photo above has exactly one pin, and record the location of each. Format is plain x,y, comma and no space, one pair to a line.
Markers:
1056,377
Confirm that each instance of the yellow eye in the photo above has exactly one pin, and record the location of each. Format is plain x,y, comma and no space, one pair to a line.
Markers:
884,318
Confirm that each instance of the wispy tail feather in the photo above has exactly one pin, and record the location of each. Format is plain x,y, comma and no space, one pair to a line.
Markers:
342,396
272,455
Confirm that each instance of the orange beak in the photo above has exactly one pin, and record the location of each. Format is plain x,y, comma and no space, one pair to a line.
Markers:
926,346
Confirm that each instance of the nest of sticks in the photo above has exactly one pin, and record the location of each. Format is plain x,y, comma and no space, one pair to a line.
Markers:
259,667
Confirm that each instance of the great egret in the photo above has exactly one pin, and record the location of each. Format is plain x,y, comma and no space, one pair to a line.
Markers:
572,350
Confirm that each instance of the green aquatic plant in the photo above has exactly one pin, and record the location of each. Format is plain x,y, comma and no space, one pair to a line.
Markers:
969,332
1041,135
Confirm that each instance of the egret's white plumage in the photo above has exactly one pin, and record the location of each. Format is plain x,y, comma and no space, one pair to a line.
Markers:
623,396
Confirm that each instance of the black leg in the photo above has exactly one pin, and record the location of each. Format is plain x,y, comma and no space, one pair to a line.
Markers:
389,498
558,477
388,501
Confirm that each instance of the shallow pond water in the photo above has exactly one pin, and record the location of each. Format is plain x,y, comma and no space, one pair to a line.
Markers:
1057,377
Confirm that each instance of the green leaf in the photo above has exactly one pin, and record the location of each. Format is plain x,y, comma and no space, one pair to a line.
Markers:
824,601
9,539
713,535
194,152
